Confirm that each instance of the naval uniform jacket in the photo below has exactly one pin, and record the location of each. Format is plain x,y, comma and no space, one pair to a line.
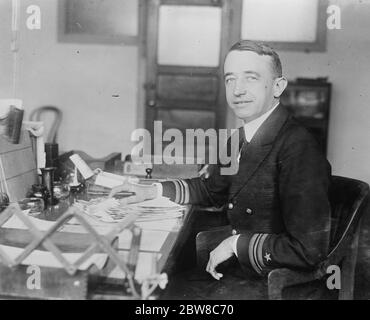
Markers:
278,199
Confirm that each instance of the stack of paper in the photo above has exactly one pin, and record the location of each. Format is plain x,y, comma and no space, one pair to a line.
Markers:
113,210
156,209
101,208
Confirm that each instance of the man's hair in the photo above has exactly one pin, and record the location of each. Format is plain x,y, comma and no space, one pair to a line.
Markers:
262,50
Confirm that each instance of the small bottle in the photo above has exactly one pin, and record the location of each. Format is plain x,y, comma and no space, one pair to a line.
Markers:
77,189
38,191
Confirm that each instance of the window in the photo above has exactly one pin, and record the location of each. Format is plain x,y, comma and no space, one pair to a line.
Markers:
189,35
285,24
99,21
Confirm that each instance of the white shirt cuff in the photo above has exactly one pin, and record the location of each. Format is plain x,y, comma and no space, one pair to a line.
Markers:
159,189
235,245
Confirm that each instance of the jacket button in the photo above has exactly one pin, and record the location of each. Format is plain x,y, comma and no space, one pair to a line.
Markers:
234,232
248,211
230,206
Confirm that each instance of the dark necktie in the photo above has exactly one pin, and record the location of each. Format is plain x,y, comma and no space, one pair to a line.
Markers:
243,145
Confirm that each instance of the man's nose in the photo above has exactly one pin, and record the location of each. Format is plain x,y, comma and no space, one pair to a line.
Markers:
240,88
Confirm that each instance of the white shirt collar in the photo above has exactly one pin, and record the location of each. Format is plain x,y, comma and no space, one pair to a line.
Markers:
251,127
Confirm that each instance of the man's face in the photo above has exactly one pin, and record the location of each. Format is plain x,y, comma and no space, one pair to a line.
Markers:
249,82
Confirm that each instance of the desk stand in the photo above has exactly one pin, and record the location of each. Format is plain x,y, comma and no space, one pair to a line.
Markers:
69,282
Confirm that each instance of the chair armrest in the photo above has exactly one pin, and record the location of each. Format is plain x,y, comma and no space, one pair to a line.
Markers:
278,279
206,241
209,218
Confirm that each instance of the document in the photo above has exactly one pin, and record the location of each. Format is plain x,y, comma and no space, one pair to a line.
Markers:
114,210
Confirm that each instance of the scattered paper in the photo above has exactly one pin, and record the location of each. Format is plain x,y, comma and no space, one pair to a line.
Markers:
114,210
109,180
99,208
160,202
81,165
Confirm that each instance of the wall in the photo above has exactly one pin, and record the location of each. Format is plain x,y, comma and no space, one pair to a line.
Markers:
80,79
6,63
346,63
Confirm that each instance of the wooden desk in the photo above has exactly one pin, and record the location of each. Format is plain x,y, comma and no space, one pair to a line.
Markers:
109,287
170,252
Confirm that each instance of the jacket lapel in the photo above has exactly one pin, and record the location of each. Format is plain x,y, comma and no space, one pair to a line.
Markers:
261,145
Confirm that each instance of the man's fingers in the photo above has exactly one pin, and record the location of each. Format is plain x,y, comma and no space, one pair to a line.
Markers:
211,269
215,274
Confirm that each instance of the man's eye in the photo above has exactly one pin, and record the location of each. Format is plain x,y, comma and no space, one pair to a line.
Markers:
251,78
229,80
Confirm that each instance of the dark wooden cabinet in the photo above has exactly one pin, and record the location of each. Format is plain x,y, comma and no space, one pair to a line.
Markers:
309,101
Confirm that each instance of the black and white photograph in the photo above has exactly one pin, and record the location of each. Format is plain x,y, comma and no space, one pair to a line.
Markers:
186,155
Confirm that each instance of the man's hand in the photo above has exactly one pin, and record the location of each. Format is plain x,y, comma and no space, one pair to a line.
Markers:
142,192
221,253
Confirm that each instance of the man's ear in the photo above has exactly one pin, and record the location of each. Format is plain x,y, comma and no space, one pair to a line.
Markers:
280,85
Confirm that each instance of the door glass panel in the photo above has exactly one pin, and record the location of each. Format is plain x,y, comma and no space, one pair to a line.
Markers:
189,35
186,119
189,120
281,21
187,87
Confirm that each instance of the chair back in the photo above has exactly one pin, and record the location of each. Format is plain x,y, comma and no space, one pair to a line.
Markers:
347,199
36,115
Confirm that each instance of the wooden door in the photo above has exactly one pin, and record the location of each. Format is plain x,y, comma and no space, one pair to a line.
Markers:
186,41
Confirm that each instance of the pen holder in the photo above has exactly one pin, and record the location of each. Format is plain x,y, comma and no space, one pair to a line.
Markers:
52,157
38,191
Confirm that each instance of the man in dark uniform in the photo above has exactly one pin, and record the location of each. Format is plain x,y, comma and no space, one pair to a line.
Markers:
277,202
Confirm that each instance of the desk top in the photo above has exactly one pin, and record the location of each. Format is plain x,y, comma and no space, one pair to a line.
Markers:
164,256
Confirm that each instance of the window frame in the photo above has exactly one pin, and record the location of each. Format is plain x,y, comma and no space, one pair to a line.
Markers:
89,38
319,45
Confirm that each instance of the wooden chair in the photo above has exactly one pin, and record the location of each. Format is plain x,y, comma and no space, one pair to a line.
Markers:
348,202
37,115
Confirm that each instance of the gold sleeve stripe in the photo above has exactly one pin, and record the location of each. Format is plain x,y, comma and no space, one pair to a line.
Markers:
255,251
259,250
177,191
184,192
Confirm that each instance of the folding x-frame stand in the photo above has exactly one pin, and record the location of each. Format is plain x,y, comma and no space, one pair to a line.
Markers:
69,282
